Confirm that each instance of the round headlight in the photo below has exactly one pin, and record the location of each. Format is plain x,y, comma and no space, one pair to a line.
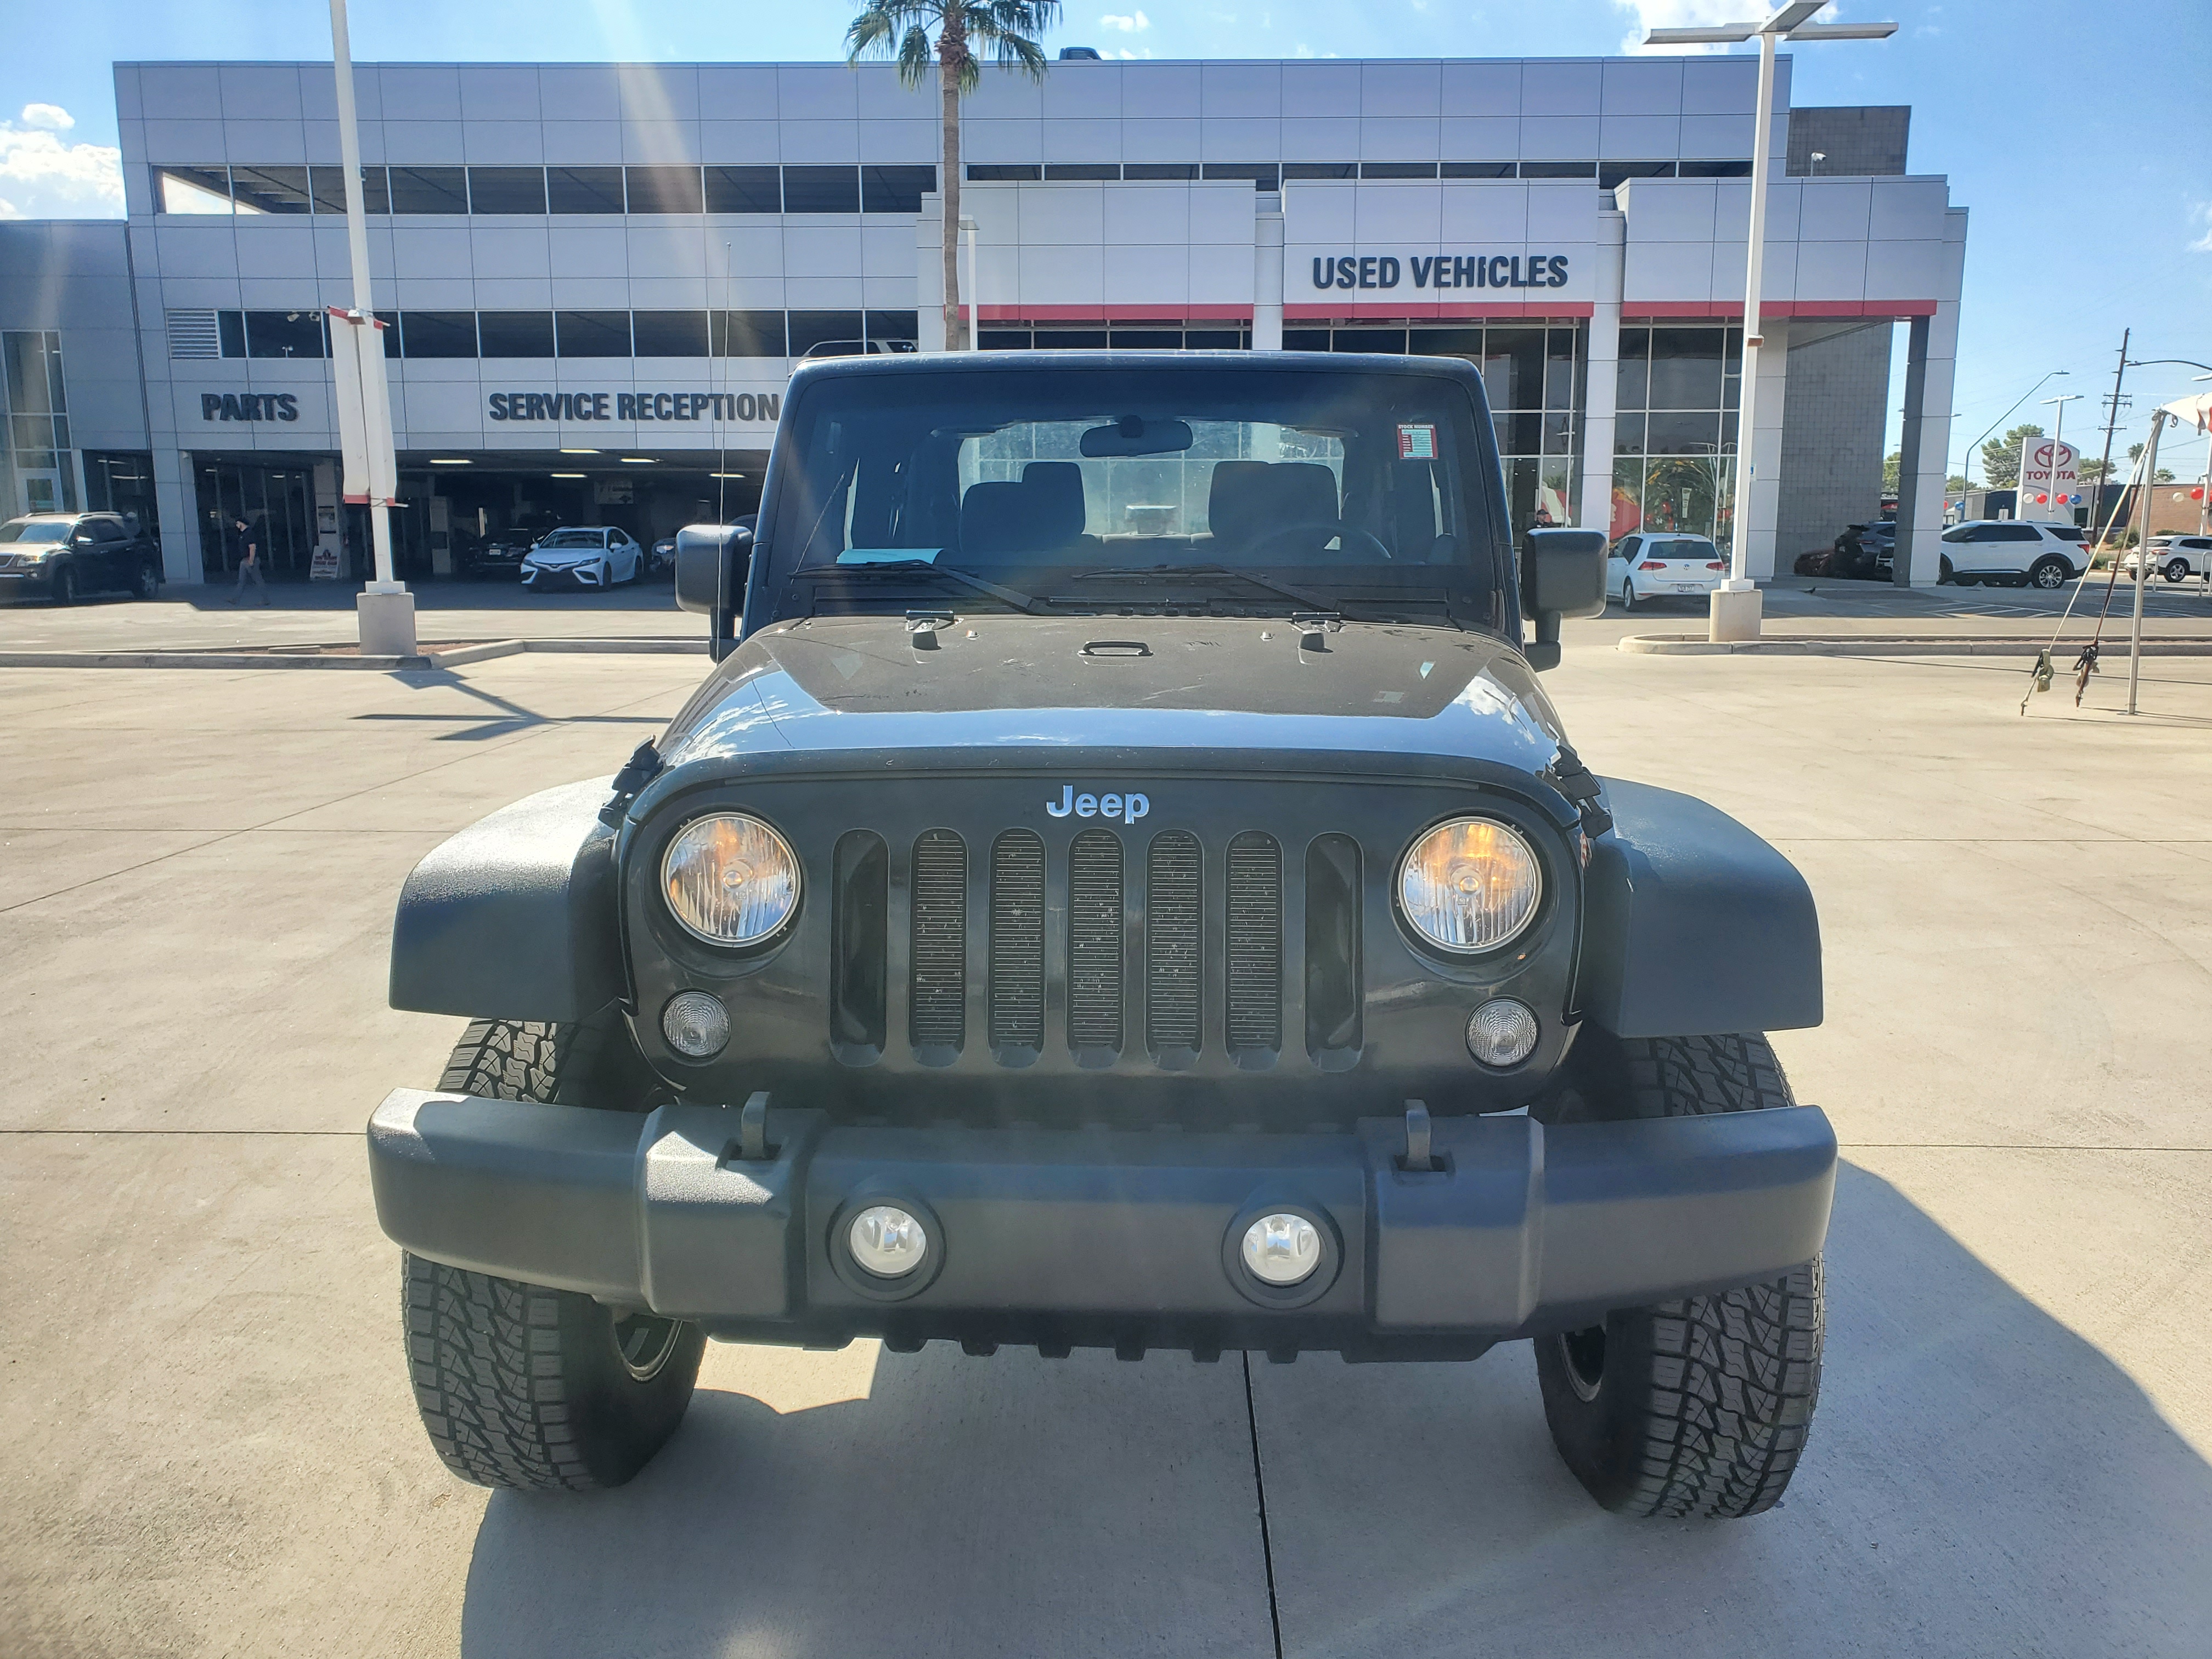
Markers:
730,879
1470,884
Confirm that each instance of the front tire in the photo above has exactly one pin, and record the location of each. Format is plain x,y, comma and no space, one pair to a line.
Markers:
1944,573
146,582
1698,1407
518,1385
62,586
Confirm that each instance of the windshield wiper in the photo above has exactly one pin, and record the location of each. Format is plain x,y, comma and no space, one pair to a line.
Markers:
1189,572
913,568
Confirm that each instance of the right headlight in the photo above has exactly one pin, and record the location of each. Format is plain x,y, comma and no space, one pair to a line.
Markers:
730,879
1470,884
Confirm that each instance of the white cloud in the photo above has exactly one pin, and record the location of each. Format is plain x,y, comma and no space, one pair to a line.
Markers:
1133,23
47,175
2203,213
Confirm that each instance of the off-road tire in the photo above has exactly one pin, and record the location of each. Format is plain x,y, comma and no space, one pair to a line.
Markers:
1698,1407
520,1386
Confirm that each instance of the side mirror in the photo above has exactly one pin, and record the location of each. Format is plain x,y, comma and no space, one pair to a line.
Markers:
712,563
1562,575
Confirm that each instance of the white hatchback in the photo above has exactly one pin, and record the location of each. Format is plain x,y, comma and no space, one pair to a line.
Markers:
1651,565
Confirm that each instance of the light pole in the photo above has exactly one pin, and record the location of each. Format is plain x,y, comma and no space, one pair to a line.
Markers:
385,608
1966,470
2057,447
1735,605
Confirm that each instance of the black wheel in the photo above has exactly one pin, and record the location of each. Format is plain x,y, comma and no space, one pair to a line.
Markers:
1943,571
2048,572
146,582
2176,570
1698,1407
520,1386
62,585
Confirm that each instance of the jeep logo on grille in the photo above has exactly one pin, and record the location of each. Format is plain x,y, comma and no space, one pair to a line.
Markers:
1129,808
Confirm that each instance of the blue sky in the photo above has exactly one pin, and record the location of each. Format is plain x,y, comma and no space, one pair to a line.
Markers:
2077,136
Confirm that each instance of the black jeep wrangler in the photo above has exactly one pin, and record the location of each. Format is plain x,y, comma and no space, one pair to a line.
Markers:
1122,886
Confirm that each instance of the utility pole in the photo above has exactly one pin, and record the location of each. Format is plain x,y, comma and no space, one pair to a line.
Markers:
2112,421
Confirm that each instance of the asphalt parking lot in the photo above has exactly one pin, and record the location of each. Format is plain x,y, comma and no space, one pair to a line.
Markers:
211,1448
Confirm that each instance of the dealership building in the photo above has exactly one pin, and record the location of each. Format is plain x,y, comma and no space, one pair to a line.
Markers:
598,278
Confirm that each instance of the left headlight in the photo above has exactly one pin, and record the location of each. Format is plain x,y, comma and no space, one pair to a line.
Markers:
730,879
1470,884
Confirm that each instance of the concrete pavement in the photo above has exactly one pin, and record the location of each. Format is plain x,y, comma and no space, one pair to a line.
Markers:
211,1449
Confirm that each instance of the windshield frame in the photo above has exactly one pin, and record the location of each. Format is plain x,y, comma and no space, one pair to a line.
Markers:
30,521
1484,599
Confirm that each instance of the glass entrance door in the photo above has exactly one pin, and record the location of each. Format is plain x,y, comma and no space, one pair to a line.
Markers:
276,500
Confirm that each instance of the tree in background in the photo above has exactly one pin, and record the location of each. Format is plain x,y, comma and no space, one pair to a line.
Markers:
902,30
2000,457
2091,472
2165,474
1893,467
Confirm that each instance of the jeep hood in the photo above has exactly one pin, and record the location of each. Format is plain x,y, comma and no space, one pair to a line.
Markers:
1225,685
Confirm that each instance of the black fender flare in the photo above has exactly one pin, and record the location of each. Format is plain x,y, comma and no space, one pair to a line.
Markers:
516,916
1692,926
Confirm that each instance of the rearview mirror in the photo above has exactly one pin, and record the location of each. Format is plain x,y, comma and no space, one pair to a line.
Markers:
712,563
1562,574
1132,434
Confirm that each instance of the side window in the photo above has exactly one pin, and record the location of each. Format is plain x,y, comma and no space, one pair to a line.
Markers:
1625,548
2017,532
1959,532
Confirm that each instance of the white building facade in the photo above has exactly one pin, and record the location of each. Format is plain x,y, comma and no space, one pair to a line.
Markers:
598,278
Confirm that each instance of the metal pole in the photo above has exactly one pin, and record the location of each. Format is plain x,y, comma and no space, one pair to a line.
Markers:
2142,540
2057,444
2111,420
975,300
1747,399
380,522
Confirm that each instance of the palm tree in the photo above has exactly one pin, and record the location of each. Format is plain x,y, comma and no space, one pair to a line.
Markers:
901,29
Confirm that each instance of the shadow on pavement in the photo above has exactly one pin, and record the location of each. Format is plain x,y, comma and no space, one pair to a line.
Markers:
1980,1481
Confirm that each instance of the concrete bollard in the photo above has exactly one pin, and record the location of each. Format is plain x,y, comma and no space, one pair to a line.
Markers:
388,622
1735,612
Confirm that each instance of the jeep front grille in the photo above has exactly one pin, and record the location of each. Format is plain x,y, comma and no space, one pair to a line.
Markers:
937,1000
1255,975
1017,983
1173,971
1094,942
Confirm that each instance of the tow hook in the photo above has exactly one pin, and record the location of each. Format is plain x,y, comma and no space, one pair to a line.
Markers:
1418,1158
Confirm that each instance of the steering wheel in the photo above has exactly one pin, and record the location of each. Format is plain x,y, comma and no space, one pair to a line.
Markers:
1322,528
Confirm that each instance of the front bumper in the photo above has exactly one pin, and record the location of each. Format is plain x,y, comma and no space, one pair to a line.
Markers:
1099,1238
564,575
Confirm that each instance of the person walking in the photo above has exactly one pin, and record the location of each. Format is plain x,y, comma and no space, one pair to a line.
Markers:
246,550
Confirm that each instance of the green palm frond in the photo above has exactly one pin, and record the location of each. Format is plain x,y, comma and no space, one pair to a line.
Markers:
903,30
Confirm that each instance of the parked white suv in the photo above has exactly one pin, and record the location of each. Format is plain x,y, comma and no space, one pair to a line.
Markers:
2174,557
2013,553
1654,565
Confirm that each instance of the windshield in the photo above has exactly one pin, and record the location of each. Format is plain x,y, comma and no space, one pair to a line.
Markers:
576,538
1078,486
1681,547
35,530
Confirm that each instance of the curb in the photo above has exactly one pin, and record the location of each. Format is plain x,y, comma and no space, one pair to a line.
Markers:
1913,645
309,656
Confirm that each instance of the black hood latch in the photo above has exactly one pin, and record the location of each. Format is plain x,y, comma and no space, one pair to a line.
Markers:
1577,783
642,767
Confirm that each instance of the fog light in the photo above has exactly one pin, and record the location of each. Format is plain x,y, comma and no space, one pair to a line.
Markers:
887,1242
696,1023
1502,1032
1282,1249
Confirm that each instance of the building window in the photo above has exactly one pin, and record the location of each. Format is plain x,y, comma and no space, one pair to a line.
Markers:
669,333
38,436
814,328
893,326
1160,170
1716,169
1292,170
285,334
1476,169
1074,172
270,190
1264,176
664,189
230,326
430,190
592,333
1674,438
507,189
1397,169
192,189
122,480
749,334
997,172
1558,169
515,334
822,190
1612,174
584,190
744,190
895,190
438,334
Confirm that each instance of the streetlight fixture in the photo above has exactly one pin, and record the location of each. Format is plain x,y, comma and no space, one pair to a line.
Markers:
1735,603
1972,449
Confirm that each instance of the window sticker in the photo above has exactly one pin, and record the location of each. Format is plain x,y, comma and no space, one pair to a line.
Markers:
1417,443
